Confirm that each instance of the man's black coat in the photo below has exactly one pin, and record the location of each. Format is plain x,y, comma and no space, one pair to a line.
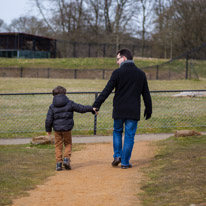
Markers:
129,83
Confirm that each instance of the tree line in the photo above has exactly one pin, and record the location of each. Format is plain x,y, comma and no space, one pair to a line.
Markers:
170,27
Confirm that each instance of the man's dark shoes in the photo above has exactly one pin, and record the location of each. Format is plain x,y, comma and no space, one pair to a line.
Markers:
116,161
58,166
66,163
126,166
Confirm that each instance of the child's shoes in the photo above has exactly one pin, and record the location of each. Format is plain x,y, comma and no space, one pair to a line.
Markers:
59,166
66,163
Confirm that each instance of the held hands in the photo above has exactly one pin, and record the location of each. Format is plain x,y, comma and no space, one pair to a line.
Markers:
95,111
147,115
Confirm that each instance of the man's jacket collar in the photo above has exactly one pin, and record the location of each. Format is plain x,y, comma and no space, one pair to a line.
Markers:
127,61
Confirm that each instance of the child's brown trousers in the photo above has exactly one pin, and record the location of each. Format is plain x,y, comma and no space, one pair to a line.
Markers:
60,139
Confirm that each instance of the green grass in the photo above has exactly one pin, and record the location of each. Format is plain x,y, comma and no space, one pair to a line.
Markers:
26,85
176,176
176,67
23,167
24,116
200,67
74,63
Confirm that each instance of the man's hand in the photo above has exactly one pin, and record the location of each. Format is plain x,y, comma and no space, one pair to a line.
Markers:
49,133
95,111
147,115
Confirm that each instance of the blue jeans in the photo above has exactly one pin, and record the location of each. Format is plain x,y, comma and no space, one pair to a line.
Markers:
130,130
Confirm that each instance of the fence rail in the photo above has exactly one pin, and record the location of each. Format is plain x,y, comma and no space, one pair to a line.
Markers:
23,114
56,73
157,72
80,49
189,65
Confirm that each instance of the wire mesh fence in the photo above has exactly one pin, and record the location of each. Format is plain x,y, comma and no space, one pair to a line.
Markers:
23,115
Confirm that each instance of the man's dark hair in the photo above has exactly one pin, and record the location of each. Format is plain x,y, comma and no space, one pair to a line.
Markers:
59,90
125,52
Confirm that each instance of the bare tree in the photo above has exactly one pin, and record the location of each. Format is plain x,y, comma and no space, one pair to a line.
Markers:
147,6
190,18
41,10
2,26
143,15
65,17
123,15
110,15
107,15
97,21
95,17
163,35
30,25
180,25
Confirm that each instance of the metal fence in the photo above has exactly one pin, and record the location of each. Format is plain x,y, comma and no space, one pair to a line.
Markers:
80,49
23,115
189,65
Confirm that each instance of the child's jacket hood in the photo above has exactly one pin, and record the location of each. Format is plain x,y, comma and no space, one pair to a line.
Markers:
60,100
60,113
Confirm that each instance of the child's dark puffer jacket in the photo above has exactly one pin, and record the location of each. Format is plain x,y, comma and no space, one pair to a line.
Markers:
60,113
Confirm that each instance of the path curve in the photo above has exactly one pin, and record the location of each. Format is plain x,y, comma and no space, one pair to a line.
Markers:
92,180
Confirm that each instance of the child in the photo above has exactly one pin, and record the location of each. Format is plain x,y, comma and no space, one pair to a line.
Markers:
60,117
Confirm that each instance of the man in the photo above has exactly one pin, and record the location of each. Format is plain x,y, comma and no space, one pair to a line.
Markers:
129,83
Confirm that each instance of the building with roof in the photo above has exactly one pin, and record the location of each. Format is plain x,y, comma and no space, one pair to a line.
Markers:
22,45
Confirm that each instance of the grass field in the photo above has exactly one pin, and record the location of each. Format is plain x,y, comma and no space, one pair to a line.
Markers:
25,166
24,116
26,85
75,63
176,176
171,70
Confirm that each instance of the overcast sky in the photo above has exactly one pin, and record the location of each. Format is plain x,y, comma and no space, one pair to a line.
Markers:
12,9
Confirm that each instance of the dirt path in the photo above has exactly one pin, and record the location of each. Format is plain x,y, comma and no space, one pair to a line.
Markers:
92,180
